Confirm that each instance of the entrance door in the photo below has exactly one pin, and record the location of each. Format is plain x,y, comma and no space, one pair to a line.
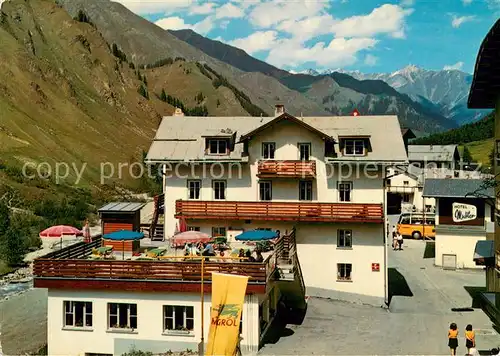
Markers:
449,261
393,204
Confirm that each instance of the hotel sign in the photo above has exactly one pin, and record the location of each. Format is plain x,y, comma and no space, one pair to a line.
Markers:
463,212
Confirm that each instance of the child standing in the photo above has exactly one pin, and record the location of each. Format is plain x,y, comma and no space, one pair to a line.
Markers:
470,338
453,339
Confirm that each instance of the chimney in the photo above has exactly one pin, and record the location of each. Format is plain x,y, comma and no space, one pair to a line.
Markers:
178,112
279,109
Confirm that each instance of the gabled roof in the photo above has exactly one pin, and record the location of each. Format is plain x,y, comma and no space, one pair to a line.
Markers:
181,138
457,188
485,88
288,117
432,153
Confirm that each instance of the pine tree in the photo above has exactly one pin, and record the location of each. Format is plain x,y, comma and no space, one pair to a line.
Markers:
467,157
143,91
163,96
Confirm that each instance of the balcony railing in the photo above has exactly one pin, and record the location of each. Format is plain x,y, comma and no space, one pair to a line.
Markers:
144,270
289,169
284,211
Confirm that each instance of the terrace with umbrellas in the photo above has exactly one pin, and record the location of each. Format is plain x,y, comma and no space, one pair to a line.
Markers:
124,250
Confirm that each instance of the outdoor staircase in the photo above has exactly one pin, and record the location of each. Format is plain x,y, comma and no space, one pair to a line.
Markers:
289,278
155,230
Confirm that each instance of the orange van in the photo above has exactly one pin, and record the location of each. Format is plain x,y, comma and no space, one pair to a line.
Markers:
413,225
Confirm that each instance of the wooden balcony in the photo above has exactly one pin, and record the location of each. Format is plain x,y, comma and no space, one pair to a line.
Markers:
70,268
286,169
283,211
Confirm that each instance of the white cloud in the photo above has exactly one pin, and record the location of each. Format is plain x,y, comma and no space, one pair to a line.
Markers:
466,2
456,22
271,13
156,6
256,42
456,66
202,9
177,23
229,11
173,23
307,28
339,52
371,60
388,19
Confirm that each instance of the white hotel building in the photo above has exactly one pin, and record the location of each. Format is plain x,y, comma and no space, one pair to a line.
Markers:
322,175
282,172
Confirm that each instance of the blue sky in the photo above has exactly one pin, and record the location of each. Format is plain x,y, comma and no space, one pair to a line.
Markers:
365,35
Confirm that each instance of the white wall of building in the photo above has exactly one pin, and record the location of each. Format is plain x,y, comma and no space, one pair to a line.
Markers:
319,255
462,244
149,333
242,180
317,243
460,240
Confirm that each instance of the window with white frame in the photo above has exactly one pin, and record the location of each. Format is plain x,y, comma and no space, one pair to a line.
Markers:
194,188
218,146
354,147
305,190
344,272
77,314
265,190
122,316
268,149
345,191
344,238
406,182
178,318
219,231
194,228
219,187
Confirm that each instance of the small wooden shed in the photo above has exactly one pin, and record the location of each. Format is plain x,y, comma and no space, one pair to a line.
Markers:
120,216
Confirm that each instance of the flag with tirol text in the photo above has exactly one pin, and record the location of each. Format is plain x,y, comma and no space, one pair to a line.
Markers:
228,297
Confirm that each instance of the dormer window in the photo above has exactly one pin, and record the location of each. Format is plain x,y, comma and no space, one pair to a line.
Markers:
353,147
217,146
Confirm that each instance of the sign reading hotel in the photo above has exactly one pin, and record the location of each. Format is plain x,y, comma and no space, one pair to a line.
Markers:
463,212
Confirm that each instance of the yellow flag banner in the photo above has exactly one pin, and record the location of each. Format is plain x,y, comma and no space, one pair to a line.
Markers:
228,297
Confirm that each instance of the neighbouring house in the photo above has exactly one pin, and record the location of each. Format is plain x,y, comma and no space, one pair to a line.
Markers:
322,176
404,191
434,156
404,188
485,94
463,218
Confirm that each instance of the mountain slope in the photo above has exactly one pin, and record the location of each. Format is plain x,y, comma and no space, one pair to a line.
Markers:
370,97
64,96
448,90
147,43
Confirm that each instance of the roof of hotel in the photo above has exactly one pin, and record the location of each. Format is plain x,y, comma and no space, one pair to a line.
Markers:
457,188
432,153
484,88
121,207
181,138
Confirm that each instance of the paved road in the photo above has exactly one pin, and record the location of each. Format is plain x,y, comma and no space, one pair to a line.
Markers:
415,324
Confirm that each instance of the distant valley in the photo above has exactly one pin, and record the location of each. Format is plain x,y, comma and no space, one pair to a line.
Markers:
445,91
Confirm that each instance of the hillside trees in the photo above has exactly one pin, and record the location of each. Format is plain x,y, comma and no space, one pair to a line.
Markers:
477,131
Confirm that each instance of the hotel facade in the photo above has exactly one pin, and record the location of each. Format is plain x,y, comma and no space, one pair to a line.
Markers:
322,176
